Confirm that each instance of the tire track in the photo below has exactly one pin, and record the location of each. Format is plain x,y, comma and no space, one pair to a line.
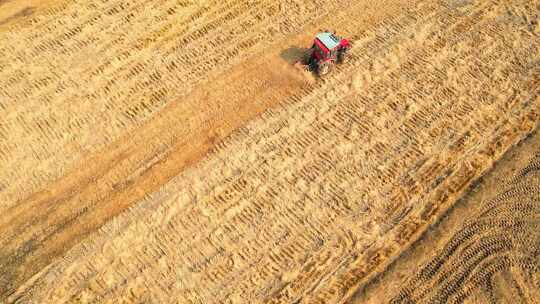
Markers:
501,237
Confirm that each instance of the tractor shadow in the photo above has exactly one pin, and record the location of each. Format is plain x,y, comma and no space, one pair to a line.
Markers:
293,54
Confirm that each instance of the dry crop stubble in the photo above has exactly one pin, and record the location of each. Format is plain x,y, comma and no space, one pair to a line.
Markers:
493,256
88,104
79,112
315,197
138,64
65,205
508,285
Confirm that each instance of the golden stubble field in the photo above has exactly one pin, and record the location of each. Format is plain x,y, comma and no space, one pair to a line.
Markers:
168,151
484,250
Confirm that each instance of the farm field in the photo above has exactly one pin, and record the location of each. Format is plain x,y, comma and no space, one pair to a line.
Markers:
169,151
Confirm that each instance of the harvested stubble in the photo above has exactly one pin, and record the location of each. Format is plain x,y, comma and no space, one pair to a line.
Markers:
494,257
309,200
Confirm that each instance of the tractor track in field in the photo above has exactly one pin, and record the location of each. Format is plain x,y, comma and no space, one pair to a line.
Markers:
484,250
306,203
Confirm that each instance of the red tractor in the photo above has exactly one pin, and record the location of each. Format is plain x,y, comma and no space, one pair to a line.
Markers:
327,49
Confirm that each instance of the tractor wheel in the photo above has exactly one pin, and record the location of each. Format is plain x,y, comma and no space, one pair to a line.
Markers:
307,57
343,56
324,68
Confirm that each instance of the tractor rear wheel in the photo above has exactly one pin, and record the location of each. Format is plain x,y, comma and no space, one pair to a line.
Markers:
324,68
343,57
307,57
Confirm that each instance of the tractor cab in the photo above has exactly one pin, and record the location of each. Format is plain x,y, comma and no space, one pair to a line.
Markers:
324,45
327,49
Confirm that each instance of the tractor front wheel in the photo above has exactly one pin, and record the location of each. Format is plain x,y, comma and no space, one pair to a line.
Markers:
324,68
